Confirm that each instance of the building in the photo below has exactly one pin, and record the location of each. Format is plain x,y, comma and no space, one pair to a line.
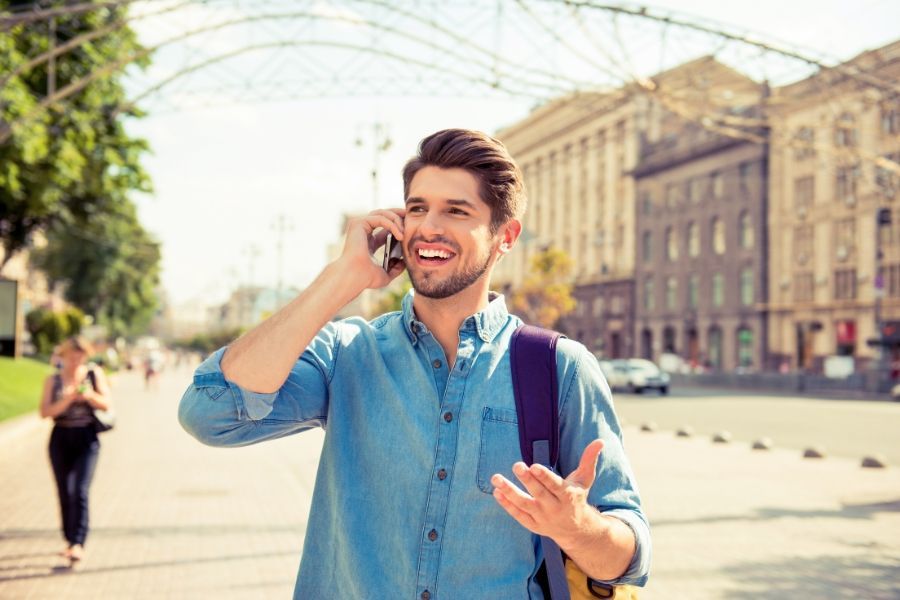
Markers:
835,149
701,245
578,155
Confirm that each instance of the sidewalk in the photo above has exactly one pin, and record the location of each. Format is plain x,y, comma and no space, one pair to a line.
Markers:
174,519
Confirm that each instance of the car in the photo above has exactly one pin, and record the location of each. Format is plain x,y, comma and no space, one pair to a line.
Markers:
636,375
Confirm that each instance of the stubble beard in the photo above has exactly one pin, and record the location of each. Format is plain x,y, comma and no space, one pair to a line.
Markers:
429,286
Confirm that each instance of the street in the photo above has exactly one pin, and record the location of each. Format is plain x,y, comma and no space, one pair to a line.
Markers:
174,519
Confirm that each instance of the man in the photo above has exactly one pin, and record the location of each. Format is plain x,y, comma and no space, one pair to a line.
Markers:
415,494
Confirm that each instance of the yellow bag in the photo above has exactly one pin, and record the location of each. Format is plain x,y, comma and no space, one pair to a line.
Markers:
582,588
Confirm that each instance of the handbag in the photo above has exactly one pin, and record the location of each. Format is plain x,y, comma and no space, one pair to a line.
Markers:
104,420
533,361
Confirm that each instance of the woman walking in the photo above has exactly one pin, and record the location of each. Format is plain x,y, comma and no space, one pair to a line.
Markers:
70,398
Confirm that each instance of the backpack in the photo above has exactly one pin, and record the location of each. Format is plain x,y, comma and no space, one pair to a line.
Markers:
533,360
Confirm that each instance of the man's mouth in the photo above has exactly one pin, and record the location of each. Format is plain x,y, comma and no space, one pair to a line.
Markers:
433,256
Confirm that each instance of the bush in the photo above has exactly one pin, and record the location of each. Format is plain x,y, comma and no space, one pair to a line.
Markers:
49,328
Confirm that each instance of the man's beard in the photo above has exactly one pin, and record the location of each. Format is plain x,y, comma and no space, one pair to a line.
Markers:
427,286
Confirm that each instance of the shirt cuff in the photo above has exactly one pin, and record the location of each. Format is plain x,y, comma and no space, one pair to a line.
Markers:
639,569
253,405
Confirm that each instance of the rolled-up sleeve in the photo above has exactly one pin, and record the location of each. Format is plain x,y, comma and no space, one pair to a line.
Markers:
218,412
586,414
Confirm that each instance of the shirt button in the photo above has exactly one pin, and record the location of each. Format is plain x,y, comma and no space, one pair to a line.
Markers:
442,474
448,416
426,595
436,364
432,535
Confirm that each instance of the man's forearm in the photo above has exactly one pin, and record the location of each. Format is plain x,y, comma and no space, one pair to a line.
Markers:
604,549
262,358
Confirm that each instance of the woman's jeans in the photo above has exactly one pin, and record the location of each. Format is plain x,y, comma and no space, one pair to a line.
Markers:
73,454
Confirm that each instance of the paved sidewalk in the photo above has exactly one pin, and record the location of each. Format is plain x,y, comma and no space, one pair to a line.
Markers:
174,519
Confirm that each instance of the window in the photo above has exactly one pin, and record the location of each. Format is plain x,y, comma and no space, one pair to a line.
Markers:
845,135
693,291
844,238
647,246
672,293
890,119
747,296
845,284
804,190
745,228
804,143
803,287
714,338
616,304
803,244
744,171
745,347
891,274
646,203
845,185
672,195
693,240
718,236
718,290
671,244
648,294
695,190
718,185
886,180
598,306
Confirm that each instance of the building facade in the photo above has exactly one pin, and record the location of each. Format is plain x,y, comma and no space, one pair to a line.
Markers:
835,148
701,248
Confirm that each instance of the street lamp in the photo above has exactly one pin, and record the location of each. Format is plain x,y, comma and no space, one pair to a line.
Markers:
381,142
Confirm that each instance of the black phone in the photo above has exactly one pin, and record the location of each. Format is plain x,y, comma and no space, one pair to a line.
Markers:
393,252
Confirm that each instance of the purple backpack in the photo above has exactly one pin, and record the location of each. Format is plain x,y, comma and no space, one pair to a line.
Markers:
533,359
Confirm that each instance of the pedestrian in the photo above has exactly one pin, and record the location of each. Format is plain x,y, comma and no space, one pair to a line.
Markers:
421,491
70,396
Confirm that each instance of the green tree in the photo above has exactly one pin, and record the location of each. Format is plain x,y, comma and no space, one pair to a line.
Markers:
73,158
546,294
48,328
109,266
392,296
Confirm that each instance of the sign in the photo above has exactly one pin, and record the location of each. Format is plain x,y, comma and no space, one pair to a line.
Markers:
846,333
9,296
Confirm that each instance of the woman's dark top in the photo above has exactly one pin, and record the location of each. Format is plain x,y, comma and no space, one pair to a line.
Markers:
79,414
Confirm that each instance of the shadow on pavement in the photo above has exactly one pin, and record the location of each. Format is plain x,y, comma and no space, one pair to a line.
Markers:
848,511
823,577
157,531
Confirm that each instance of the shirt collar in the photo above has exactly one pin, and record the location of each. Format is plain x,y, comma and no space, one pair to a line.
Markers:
487,323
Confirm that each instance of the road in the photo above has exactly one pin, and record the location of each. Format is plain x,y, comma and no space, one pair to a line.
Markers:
846,428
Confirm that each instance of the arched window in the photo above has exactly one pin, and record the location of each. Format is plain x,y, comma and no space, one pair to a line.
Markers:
693,240
671,244
718,236
745,229
672,293
745,347
714,339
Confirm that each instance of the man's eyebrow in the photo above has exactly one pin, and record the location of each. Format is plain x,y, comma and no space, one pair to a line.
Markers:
451,201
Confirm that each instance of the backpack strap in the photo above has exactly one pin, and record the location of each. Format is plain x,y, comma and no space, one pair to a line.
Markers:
533,359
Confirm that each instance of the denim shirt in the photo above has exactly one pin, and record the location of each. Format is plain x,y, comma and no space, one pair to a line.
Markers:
402,502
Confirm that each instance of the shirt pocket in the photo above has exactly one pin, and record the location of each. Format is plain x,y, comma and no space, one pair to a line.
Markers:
499,446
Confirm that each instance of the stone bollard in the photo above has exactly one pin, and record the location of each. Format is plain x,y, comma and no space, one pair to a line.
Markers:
685,431
649,426
814,452
875,461
722,437
762,444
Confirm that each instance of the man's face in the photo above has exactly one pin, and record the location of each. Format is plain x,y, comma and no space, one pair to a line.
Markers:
448,243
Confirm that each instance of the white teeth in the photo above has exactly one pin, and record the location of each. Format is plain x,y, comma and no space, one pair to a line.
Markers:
433,253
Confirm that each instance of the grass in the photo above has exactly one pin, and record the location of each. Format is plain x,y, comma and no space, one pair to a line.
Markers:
21,382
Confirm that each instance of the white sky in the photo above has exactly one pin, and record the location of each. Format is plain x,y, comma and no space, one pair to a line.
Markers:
223,175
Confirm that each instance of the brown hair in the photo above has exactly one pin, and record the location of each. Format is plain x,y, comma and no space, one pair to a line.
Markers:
75,343
500,180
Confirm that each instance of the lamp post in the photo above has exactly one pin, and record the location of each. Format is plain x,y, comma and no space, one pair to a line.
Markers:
381,142
883,220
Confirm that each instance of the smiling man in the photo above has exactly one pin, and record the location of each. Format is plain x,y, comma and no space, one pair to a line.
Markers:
421,492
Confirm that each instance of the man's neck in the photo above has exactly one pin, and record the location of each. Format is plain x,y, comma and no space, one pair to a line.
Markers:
444,316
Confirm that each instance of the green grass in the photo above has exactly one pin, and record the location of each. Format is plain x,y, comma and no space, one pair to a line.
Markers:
21,382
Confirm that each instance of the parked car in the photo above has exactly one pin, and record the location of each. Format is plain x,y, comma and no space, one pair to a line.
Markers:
636,375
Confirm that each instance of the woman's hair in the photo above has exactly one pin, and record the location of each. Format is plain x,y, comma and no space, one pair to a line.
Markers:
73,344
487,159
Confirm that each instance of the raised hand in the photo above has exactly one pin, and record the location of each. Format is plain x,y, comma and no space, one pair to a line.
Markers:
362,241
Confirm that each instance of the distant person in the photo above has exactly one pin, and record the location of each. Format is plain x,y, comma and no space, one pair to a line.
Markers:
70,397
153,365
421,492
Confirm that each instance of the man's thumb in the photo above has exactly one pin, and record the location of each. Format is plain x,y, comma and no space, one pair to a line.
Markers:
587,469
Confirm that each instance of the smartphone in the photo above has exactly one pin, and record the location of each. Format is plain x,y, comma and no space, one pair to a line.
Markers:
393,253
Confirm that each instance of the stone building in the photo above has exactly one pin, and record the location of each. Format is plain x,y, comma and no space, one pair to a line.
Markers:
835,147
701,247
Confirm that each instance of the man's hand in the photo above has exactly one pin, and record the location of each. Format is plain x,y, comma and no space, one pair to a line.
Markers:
553,507
362,241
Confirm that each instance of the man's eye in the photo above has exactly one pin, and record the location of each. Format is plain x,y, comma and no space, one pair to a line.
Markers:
415,209
457,211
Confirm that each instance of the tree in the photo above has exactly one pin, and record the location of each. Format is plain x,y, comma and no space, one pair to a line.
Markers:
109,265
74,158
392,296
48,328
546,294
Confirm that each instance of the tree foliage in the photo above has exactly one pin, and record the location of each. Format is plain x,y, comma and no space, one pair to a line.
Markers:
546,294
392,296
48,328
75,157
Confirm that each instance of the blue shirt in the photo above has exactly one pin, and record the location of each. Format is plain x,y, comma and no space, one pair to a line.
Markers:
402,502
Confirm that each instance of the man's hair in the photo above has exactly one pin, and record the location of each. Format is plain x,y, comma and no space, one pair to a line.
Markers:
499,178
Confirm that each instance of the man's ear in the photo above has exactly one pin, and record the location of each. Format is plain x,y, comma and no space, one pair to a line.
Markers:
509,234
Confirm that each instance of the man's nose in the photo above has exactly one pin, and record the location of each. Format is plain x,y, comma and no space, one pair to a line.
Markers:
431,225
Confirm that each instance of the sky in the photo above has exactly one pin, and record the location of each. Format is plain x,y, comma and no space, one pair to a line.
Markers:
224,173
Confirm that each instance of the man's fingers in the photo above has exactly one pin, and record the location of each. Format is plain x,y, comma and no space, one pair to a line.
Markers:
524,519
536,481
512,492
392,216
584,475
